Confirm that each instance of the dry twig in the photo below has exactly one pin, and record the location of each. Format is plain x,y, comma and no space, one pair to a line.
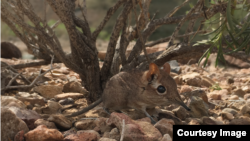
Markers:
123,130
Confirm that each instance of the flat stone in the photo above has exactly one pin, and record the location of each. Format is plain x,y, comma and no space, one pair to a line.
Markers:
230,110
227,115
206,81
234,97
31,98
239,92
51,108
9,101
106,139
247,96
214,96
185,88
87,124
165,126
180,112
243,120
74,87
166,137
48,91
69,95
61,121
28,116
134,130
84,135
43,134
198,107
192,79
50,125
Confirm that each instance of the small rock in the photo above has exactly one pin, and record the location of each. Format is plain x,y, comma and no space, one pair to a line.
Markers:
66,101
194,121
50,125
19,136
230,80
165,126
192,79
237,104
42,133
185,88
11,125
227,75
247,96
227,115
28,116
234,97
38,110
213,95
83,135
166,137
9,101
208,82
61,121
74,87
197,93
210,121
113,134
106,139
239,92
245,110
52,107
134,130
48,91
101,125
175,67
69,95
246,89
86,124
230,110
180,112
198,107
69,132
243,120
31,98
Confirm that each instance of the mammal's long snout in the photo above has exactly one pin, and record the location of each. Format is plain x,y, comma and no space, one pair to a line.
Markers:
183,104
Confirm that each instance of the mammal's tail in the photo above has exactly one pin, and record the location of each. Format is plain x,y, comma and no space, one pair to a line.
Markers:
86,109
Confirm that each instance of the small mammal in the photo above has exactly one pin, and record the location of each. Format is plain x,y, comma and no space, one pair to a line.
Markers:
139,90
9,50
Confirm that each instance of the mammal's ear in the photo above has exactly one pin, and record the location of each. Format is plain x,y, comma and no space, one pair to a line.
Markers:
167,68
153,72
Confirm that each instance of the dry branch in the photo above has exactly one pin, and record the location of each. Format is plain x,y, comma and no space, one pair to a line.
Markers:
167,38
153,25
178,27
43,43
110,12
25,86
5,65
105,71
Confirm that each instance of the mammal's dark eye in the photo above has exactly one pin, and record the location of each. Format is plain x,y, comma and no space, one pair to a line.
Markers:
161,89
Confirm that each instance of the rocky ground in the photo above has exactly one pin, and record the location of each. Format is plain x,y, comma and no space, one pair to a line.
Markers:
216,96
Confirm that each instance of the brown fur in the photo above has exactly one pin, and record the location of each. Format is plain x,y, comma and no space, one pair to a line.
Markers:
131,90
9,50
138,90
